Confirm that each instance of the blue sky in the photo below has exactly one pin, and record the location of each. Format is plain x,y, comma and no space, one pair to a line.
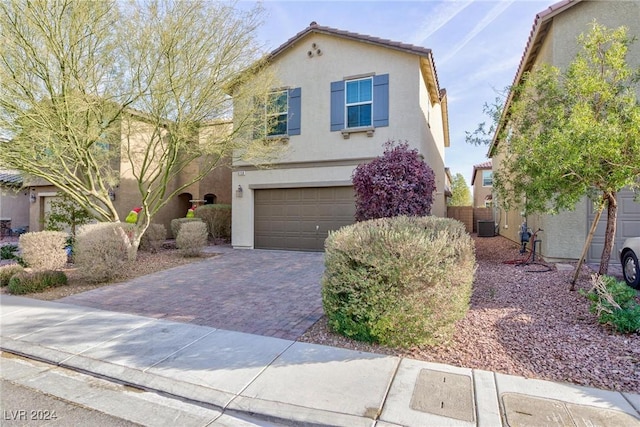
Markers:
477,46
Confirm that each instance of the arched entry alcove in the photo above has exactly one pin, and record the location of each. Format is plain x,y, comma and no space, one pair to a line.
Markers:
184,202
210,199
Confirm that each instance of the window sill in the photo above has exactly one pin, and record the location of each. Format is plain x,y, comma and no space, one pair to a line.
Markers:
346,133
284,139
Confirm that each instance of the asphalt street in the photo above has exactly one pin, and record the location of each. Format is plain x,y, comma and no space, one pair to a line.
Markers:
25,406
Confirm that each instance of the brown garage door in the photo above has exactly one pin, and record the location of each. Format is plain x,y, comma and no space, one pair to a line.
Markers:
300,218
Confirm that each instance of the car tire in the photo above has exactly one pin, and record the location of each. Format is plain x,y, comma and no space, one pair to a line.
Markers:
631,269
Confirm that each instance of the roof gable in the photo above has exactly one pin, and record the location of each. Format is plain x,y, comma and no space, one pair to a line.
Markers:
427,64
315,28
479,167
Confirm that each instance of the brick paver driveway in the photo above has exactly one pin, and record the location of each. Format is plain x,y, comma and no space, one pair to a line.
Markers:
272,293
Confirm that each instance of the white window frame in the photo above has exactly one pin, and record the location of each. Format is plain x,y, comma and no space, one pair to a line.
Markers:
355,104
284,113
484,180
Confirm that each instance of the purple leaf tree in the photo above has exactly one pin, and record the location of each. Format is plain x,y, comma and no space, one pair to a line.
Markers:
397,183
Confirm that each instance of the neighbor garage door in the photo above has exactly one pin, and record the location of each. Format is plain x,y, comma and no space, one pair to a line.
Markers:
628,225
300,218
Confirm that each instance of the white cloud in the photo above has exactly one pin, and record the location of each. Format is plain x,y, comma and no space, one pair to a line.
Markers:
495,11
438,18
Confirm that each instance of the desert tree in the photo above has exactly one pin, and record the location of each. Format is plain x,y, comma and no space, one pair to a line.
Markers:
95,92
461,195
587,119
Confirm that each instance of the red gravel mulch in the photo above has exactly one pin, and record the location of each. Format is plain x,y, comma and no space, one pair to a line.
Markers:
525,323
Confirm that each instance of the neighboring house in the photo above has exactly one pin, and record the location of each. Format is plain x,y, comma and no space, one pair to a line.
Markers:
343,95
14,203
213,188
482,183
553,40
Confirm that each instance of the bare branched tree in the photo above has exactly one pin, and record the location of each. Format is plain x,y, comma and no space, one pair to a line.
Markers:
96,92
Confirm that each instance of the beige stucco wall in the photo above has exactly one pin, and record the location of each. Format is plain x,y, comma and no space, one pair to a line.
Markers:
577,19
217,182
480,192
565,233
321,157
14,205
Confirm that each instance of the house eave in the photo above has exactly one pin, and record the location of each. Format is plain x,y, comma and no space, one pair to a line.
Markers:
541,26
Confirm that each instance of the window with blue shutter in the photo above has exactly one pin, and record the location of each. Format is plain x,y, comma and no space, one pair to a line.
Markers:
282,114
362,102
381,100
294,117
277,112
337,106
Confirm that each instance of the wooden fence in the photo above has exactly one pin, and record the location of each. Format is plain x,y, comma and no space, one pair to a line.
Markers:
470,216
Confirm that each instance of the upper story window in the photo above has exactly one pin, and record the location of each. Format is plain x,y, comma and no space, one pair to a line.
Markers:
359,102
487,178
276,111
282,114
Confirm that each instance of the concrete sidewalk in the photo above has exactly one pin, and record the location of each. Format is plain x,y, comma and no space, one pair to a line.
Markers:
291,383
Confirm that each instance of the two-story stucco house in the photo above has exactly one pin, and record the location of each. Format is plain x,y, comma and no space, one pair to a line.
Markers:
482,183
214,187
553,40
343,96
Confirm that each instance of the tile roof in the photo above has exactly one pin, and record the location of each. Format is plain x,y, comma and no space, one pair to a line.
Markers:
485,165
315,28
480,166
10,177
537,34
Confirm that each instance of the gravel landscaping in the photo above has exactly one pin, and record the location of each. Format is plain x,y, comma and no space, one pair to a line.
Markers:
525,323
520,323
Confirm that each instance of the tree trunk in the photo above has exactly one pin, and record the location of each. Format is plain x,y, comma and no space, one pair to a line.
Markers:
585,248
610,234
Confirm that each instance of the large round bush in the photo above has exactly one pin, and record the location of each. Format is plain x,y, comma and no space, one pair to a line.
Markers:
398,281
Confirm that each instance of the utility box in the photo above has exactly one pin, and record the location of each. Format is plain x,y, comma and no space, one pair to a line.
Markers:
486,228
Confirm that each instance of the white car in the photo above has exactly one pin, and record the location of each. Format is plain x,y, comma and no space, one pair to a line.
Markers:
629,259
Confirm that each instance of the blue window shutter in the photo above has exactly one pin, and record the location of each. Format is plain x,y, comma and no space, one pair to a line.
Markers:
295,111
381,100
337,105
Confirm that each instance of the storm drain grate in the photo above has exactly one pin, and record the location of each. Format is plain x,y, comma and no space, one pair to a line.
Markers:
445,394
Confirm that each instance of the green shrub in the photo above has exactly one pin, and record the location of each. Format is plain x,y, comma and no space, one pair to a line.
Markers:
218,219
7,271
8,251
44,250
153,238
100,251
177,223
615,304
37,281
398,281
192,237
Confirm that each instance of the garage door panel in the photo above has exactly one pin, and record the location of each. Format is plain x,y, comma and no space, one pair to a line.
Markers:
628,206
628,225
631,229
300,218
